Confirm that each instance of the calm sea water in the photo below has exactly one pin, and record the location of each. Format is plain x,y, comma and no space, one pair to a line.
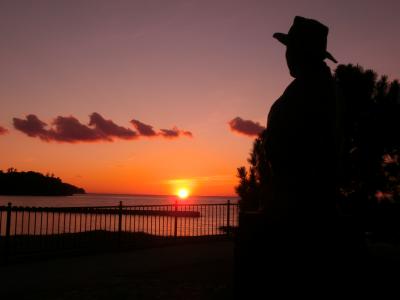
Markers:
108,200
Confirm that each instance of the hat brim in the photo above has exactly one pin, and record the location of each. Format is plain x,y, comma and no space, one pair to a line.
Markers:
283,38
329,56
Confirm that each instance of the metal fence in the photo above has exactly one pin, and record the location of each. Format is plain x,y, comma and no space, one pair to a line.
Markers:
26,230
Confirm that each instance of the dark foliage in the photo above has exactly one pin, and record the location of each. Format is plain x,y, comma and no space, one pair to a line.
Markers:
371,170
32,183
252,188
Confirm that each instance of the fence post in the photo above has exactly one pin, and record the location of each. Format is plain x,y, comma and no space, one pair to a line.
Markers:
120,217
228,218
176,219
8,231
119,224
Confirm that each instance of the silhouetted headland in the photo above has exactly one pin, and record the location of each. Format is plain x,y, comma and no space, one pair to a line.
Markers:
32,183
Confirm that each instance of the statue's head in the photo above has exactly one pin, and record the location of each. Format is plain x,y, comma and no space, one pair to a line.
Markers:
305,43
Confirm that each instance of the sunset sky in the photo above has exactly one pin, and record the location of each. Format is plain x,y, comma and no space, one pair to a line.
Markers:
143,96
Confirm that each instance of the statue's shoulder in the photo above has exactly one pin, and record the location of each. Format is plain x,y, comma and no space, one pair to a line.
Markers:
280,107
290,92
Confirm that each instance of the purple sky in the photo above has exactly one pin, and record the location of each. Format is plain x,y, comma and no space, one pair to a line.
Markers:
195,65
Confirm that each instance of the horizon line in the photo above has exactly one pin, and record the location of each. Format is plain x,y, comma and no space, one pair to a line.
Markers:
161,195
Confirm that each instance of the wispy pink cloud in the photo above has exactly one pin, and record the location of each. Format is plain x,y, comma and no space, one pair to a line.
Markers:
245,127
32,127
64,129
148,130
187,133
110,129
71,130
143,129
174,133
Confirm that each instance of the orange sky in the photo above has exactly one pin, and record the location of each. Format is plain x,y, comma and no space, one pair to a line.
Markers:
191,64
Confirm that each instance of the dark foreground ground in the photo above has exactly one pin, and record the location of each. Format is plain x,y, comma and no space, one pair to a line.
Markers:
189,271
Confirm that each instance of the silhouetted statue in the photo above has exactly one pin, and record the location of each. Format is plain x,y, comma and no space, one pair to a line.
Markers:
291,245
322,178
302,147
301,133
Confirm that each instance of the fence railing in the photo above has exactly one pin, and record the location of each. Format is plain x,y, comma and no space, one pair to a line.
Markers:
25,230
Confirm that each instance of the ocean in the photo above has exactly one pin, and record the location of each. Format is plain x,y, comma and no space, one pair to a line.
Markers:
109,200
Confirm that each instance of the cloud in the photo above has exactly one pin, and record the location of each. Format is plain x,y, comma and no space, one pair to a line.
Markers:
110,129
143,129
3,130
187,133
65,129
174,133
246,127
32,127
169,133
147,130
71,130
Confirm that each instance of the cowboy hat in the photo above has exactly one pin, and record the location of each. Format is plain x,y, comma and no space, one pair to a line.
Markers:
307,35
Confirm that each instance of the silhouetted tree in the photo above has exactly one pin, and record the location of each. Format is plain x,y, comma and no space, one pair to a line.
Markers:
252,188
371,156
372,140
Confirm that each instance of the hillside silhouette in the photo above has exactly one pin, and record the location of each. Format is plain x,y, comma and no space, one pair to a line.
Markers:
33,183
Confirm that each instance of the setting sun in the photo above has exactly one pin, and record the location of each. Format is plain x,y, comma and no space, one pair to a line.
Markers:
183,193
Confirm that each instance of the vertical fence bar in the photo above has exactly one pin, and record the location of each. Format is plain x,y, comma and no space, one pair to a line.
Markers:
150,210
126,219
183,223
204,214
176,219
119,223
147,218
228,217
212,218
162,219
109,224
8,229
214,214
23,221
90,219
34,221
135,216
15,222
190,221
41,229
140,219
